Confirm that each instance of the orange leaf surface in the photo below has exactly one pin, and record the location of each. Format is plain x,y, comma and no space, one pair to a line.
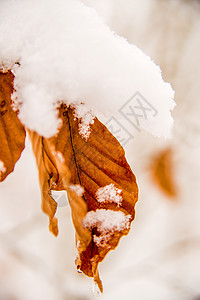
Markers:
48,174
12,132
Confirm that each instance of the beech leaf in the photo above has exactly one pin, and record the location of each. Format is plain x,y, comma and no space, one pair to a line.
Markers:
48,176
12,132
97,163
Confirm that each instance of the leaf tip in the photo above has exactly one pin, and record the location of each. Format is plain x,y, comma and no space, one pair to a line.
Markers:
53,226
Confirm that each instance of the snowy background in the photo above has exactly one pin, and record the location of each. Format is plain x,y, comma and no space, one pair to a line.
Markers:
160,258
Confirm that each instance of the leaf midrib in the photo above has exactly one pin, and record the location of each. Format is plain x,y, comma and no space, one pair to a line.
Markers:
74,152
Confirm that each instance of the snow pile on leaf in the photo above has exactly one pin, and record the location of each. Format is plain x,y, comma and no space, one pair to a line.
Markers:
2,168
109,193
107,220
67,53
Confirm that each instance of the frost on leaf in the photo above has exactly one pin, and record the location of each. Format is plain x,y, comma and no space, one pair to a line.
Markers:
109,193
86,118
79,190
2,167
107,223
106,220
12,132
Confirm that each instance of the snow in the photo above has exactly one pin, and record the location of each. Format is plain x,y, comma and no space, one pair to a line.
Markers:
67,53
107,220
102,240
86,117
109,193
78,189
2,167
60,156
95,290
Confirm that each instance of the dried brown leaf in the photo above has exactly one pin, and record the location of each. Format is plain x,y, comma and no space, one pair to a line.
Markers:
12,132
48,175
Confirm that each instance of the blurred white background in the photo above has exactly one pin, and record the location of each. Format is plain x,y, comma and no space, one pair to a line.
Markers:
160,258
